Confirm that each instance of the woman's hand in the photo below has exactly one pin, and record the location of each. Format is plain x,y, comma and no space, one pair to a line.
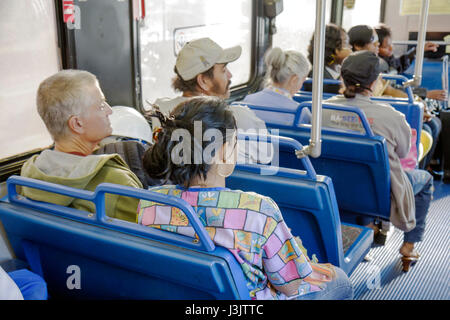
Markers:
430,46
317,276
437,95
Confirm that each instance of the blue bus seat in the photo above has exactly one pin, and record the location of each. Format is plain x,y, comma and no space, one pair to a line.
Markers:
325,81
308,204
116,259
431,68
347,156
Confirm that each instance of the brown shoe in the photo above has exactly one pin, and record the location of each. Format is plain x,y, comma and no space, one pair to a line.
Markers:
410,260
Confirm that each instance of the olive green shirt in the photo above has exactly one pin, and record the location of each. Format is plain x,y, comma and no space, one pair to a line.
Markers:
83,173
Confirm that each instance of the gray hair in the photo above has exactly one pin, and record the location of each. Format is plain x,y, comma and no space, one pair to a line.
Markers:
61,96
281,65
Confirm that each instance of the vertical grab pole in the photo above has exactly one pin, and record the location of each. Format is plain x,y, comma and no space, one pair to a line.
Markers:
315,143
417,80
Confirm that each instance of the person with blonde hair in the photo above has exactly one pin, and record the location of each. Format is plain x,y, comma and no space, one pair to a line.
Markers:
286,72
76,114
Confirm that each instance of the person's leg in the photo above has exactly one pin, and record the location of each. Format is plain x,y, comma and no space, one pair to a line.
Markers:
445,136
433,127
339,288
422,183
427,128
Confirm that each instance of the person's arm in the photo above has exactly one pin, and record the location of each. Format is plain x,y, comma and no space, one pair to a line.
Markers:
305,116
126,207
440,95
285,264
405,60
396,93
119,207
402,136
431,46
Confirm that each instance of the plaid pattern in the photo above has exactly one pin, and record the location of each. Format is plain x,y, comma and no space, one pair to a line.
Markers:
250,226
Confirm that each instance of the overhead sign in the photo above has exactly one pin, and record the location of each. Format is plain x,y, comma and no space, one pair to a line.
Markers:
412,7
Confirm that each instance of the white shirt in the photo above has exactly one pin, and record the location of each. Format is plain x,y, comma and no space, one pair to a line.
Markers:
334,73
8,288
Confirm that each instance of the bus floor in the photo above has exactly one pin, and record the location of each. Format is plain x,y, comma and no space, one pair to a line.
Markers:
382,278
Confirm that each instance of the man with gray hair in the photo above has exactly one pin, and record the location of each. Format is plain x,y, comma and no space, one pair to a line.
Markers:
201,69
75,112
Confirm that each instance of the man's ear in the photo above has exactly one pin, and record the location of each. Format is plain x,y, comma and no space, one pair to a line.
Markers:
75,124
204,82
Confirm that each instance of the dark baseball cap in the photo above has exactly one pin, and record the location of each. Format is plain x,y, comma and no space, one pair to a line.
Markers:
360,68
361,35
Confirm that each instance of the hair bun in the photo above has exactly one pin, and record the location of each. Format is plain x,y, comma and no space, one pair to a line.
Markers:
165,120
275,58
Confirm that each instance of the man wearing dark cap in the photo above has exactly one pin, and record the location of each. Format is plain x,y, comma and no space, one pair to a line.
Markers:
411,190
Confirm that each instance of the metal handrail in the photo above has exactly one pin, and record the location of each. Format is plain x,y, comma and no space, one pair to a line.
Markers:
414,42
417,79
315,143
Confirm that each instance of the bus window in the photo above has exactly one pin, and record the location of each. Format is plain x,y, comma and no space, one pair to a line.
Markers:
168,25
28,32
296,24
358,12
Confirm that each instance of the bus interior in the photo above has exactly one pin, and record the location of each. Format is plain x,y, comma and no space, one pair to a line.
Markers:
131,47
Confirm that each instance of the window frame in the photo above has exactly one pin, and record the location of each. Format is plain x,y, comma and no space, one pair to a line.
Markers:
258,26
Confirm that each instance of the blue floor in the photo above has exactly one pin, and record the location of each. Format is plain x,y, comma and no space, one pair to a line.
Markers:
382,277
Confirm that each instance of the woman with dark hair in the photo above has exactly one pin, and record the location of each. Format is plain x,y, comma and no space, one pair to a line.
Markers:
403,62
364,37
431,123
337,49
411,190
250,225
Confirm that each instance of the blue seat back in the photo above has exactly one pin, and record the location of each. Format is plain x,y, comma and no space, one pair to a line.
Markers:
307,202
432,72
413,111
325,81
357,163
117,259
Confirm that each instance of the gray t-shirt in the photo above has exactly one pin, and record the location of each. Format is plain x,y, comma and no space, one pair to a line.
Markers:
391,124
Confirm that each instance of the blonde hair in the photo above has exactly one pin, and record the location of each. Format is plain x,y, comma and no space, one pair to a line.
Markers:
281,65
61,96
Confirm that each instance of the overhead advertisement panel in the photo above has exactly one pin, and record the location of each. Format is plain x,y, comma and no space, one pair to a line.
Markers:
412,7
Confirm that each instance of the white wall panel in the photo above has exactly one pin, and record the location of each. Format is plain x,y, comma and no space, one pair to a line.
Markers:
28,54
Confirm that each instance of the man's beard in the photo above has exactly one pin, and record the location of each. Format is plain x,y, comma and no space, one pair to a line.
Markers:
216,90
